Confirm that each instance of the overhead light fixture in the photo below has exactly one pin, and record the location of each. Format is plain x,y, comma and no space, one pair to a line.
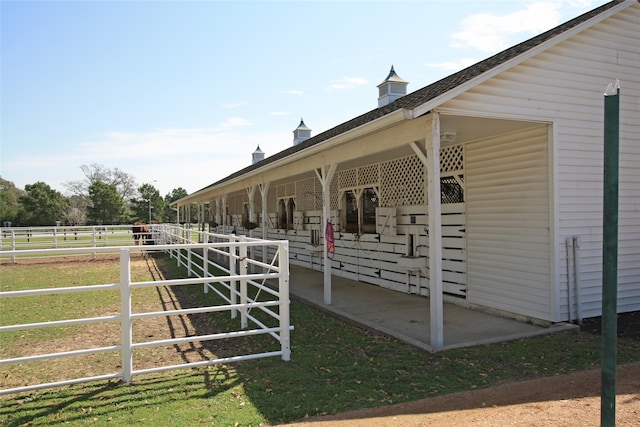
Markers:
447,136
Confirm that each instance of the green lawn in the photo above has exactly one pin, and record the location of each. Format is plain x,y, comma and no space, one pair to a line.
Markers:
334,367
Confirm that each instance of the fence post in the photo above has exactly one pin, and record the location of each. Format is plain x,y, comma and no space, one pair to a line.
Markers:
233,284
93,237
283,295
13,245
125,314
243,282
205,267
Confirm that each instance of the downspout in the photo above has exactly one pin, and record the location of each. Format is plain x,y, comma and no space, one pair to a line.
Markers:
576,277
569,245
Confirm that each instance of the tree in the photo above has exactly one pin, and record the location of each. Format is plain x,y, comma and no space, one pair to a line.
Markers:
77,211
107,205
125,183
42,205
150,206
9,204
170,215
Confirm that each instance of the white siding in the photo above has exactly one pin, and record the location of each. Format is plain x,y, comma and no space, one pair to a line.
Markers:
565,85
508,239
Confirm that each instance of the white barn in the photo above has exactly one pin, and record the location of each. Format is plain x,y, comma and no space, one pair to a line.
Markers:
484,189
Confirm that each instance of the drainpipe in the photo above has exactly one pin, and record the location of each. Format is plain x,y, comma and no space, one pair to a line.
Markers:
576,276
569,243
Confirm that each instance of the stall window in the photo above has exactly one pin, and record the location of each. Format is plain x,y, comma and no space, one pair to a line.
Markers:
361,217
351,211
282,214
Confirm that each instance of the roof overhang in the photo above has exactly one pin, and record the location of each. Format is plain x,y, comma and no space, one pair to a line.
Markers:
375,125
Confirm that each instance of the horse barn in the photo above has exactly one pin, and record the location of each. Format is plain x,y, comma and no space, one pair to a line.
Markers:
483,189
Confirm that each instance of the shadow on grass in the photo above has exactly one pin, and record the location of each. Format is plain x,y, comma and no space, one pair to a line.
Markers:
337,367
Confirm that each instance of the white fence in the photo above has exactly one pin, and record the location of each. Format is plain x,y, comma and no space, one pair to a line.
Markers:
236,287
20,238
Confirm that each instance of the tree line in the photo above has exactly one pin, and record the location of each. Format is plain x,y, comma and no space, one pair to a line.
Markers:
105,196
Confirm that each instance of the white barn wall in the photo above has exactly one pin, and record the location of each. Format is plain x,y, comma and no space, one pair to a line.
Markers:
565,85
508,237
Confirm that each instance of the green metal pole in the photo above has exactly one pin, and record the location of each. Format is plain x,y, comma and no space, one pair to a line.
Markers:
610,255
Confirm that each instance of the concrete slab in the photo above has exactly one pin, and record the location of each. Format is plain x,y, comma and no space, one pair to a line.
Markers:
406,317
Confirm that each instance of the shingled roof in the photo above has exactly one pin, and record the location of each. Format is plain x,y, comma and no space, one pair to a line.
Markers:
427,93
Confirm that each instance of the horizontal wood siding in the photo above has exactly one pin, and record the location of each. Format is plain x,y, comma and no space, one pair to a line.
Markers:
564,85
508,241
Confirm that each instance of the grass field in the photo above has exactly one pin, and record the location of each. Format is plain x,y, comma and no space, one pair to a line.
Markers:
334,366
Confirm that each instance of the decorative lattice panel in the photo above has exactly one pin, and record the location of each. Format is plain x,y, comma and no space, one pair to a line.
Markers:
368,175
308,193
291,189
272,201
451,159
402,182
334,193
236,202
348,178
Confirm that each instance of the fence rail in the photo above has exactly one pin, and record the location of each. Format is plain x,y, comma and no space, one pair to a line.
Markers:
242,286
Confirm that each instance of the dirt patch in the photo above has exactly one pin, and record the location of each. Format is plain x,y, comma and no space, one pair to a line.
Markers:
563,400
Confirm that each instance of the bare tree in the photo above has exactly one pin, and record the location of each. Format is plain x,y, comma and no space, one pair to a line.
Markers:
125,183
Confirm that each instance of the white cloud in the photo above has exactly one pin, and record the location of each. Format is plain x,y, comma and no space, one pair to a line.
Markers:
347,83
231,105
191,158
295,92
492,32
234,122
280,113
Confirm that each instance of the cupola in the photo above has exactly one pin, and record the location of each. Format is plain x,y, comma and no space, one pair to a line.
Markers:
302,133
257,156
392,88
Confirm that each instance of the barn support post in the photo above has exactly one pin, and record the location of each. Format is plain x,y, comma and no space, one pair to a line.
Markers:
251,191
610,254
264,192
435,234
325,175
224,213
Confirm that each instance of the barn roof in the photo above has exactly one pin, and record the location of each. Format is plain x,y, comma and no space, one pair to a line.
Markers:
428,93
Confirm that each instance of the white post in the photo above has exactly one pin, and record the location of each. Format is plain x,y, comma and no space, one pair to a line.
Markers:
205,267
125,314
233,283
93,234
283,295
13,245
325,175
435,235
264,192
243,282
250,193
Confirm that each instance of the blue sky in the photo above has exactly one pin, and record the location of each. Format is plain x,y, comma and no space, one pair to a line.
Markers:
180,93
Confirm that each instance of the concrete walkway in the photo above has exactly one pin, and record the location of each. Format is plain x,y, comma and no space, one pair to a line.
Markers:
406,317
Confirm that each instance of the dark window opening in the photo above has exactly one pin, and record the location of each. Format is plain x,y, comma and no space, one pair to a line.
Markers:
450,190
